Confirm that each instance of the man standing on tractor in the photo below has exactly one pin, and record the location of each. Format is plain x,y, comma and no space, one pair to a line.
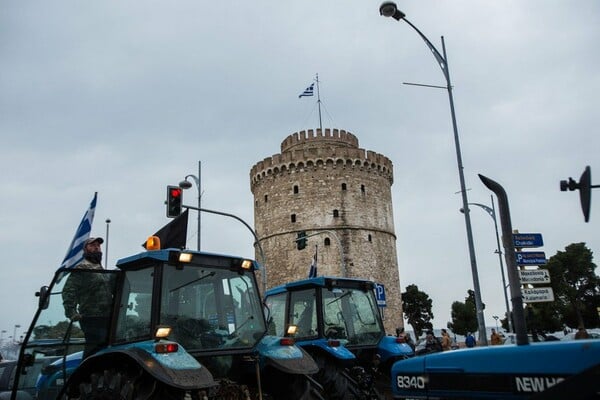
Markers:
87,297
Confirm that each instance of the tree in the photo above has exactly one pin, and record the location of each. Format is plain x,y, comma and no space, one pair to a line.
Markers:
417,309
576,286
464,315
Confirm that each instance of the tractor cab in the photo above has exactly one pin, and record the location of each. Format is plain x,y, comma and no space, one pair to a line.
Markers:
203,309
339,309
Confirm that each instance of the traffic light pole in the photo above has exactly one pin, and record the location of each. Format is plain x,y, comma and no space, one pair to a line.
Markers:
342,258
257,242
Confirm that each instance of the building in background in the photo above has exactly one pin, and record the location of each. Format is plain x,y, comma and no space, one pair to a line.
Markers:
323,184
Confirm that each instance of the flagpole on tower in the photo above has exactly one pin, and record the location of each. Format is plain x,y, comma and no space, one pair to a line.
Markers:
319,102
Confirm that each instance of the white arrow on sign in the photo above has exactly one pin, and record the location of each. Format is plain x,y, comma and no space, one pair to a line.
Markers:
537,295
533,276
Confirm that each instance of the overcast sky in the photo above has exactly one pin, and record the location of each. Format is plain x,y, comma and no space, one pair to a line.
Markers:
125,97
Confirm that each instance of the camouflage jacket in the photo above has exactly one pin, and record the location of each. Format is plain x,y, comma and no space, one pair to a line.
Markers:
87,293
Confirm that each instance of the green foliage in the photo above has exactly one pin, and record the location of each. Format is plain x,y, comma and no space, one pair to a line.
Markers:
417,306
576,286
464,315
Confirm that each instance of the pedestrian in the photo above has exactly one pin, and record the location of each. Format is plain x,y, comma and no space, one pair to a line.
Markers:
446,341
470,340
582,333
495,338
409,341
432,344
87,297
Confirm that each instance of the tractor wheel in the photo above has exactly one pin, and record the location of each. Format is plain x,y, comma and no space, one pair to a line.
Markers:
331,377
119,385
282,386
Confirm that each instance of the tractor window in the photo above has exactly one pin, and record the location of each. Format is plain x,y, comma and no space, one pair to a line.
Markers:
351,314
211,308
276,312
136,306
303,312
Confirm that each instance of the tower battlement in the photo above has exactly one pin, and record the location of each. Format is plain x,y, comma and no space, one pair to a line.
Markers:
309,149
317,137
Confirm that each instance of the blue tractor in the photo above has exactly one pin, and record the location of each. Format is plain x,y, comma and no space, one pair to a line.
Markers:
181,325
337,321
536,371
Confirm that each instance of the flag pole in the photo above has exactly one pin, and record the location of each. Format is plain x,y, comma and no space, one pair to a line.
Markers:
319,102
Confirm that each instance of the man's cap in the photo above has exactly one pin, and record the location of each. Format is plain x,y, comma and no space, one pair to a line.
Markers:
99,240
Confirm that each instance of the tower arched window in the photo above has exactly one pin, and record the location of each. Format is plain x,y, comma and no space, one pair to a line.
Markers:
296,189
344,187
336,213
293,218
266,198
362,189
370,238
327,242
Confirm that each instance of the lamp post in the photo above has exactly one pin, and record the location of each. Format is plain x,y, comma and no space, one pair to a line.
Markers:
15,333
492,213
389,9
496,318
185,184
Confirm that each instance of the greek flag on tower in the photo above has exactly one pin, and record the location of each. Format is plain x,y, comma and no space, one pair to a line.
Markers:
313,266
309,91
75,251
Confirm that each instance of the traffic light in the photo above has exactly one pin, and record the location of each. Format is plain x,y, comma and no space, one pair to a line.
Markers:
301,240
174,201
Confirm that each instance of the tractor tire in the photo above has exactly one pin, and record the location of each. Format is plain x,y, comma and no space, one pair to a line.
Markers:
331,377
283,386
118,385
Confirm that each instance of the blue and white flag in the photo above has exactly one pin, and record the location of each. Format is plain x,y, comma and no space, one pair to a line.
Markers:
313,266
309,91
75,251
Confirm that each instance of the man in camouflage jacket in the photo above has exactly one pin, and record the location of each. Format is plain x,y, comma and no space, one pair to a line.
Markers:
87,297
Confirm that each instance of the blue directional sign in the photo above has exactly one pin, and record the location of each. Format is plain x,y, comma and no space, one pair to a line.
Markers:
531,258
528,240
380,294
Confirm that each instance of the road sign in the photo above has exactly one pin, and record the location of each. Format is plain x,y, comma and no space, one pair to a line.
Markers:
531,258
528,240
533,276
537,295
380,294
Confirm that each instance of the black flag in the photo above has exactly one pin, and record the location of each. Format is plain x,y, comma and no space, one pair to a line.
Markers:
173,234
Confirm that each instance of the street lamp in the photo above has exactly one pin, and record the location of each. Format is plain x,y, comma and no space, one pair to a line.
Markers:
15,332
496,318
389,9
492,213
185,184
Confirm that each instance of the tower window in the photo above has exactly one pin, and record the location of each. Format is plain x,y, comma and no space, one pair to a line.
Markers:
362,189
293,217
336,213
295,189
266,198
327,242
370,238
343,186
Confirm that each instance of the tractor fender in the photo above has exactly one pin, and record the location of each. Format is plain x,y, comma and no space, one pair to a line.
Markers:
179,370
287,358
389,349
340,353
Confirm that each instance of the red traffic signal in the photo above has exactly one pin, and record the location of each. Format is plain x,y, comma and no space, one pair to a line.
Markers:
174,201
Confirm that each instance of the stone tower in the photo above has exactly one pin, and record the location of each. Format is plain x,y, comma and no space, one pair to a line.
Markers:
340,195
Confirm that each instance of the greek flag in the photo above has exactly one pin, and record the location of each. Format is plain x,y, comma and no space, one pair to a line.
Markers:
75,252
309,91
313,266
